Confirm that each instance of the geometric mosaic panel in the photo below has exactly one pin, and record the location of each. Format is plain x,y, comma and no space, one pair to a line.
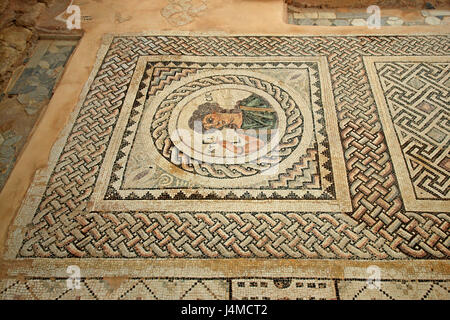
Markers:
307,288
418,96
416,106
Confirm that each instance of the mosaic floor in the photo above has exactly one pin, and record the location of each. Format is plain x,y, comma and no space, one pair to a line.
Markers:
189,151
336,17
28,93
222,289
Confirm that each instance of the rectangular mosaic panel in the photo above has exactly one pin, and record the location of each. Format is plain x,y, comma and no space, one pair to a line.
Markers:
154,161
414,103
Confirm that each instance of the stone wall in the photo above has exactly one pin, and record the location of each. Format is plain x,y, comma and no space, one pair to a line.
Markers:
17,33
419,4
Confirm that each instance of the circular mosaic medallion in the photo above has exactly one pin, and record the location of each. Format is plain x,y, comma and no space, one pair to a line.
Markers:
227,125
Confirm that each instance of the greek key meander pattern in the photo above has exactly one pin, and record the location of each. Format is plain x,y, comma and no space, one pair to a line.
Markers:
377,228
418,97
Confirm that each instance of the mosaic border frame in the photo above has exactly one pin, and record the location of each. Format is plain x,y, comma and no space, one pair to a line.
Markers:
270,288
341,202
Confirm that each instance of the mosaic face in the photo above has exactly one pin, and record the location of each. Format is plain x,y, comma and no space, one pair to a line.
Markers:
226,126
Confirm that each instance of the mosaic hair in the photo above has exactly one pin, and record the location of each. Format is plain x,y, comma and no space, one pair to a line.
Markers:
203,110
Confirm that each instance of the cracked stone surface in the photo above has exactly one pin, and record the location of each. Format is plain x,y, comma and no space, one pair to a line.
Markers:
30,92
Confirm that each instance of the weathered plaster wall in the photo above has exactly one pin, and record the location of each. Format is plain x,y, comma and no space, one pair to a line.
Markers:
17,33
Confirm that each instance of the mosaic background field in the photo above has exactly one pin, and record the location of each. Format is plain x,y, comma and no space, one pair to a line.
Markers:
378,226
